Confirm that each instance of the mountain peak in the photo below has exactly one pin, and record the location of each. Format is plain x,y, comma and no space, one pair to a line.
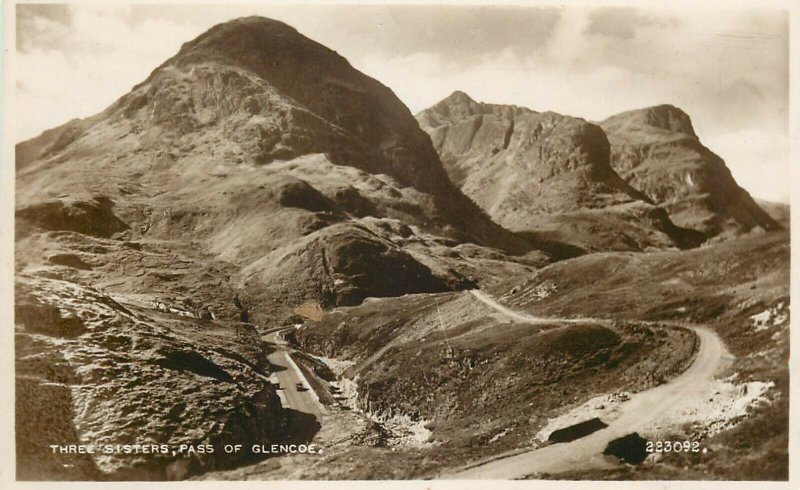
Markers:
256,43
459,106
254,33
458,103
657,151
665,117
267,93
459,96
671,118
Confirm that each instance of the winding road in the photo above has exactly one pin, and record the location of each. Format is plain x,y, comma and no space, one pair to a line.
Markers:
642,411
524,317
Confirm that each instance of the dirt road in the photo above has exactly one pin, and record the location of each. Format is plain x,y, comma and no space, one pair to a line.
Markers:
642,411
524,317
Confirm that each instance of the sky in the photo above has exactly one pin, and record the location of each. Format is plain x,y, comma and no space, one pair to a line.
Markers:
728,69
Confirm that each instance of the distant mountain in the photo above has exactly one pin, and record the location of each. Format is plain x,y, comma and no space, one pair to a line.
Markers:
778,211
657,151
546,176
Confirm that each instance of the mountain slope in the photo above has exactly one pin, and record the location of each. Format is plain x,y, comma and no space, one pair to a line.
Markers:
253,175
234,94
657,151
544,174
253,140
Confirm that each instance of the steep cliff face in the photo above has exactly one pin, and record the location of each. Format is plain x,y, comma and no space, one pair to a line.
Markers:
542,173
564,157
657,151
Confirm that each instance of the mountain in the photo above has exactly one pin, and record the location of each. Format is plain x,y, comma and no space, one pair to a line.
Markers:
253,176
544,175
238,85
657,151
260,245
264,146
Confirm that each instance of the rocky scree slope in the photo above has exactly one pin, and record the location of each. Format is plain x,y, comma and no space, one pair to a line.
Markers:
657,151
546,176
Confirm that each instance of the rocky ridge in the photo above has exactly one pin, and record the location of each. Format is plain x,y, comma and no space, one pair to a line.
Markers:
545,175
657,151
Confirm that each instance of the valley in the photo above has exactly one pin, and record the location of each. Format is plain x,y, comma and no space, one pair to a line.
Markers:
224,256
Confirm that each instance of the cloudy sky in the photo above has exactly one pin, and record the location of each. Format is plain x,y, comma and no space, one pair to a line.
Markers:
727,69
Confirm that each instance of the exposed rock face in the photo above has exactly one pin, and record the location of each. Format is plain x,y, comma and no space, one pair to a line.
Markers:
531,171
540,162
93,372
657,151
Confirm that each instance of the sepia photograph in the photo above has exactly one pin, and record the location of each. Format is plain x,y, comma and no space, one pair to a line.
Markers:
290,241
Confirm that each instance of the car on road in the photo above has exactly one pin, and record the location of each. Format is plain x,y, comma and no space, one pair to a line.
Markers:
300,387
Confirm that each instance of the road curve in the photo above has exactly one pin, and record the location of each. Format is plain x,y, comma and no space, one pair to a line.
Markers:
524,317
642,411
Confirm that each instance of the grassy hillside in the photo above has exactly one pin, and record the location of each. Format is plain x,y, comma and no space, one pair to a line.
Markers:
481,384
745,301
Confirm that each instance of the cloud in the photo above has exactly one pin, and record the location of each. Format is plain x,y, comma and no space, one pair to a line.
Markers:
622,23
40,24
79,66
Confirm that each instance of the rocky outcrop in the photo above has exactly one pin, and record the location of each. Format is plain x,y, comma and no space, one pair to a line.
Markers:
92,372
657,151
91,216
343,264
542,173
